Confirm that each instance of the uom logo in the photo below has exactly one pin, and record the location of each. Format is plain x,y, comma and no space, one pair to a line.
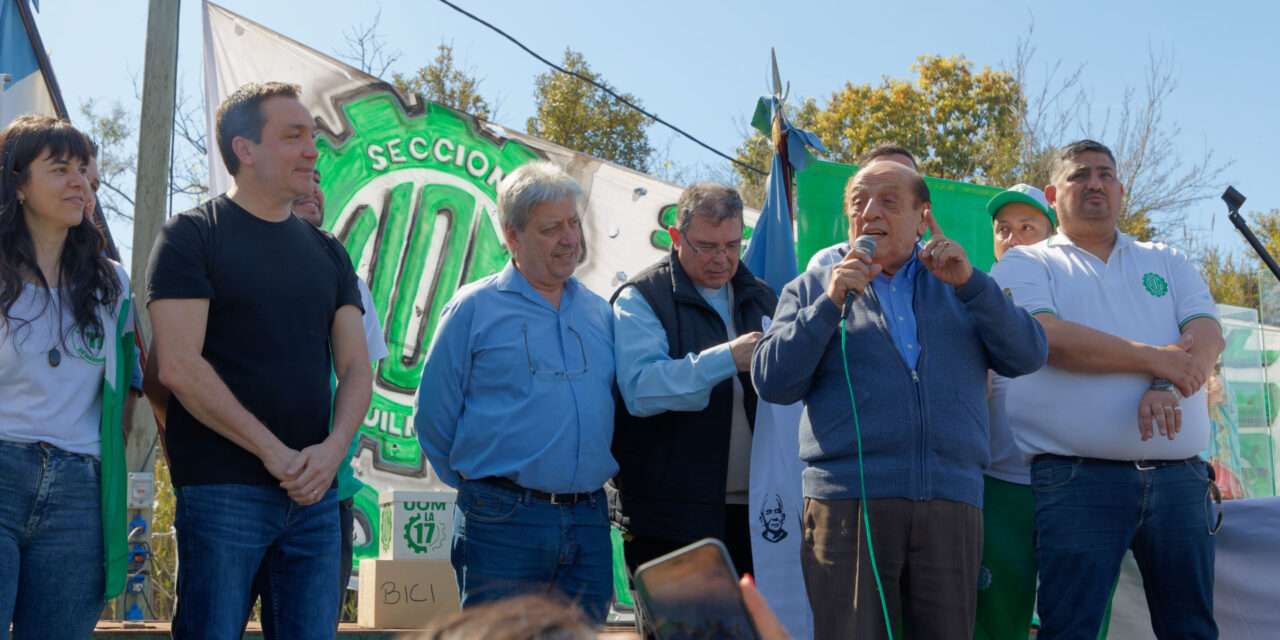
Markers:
422,533
412,197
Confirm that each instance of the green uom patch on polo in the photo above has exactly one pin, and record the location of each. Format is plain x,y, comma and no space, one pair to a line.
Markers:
1155,284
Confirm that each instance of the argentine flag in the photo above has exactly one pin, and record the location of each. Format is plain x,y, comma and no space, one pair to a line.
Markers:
775,495
23,86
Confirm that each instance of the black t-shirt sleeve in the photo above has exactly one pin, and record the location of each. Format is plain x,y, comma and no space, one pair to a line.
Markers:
348,291
179,266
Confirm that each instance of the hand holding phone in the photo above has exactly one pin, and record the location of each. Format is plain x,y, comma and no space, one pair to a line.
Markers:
693,593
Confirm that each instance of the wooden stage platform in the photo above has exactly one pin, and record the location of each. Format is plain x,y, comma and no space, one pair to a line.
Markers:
346,631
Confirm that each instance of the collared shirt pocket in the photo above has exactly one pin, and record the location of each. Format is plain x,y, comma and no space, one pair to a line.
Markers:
499,362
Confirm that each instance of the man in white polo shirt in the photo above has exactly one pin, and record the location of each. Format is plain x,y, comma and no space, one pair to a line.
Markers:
1115,423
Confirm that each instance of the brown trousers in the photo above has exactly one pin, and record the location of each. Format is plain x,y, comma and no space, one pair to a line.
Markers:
928,555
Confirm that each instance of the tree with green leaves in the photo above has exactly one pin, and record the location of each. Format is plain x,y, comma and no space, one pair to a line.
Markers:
1001,127
1231,280
960,123
445,82
1235,280
582,117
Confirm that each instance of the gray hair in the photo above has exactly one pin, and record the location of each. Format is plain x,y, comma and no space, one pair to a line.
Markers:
533,184
713,201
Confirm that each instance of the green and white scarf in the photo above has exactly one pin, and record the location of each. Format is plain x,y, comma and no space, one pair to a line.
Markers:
119,354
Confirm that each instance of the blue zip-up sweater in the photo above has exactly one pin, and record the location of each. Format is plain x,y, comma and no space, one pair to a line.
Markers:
924,432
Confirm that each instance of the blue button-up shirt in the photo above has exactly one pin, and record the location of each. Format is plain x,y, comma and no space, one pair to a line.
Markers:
517,389
650,380
896,295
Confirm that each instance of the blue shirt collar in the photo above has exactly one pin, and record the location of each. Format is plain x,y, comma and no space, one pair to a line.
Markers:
510,279
908,268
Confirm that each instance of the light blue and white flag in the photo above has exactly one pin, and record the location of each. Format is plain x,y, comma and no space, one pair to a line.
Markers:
24,87
775,496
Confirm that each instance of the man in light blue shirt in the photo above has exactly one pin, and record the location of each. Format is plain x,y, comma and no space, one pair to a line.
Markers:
516,408
685,330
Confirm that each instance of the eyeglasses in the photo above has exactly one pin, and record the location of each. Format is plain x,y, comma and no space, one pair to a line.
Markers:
710,250
557,374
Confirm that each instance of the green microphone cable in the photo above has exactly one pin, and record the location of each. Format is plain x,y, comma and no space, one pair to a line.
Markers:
862,483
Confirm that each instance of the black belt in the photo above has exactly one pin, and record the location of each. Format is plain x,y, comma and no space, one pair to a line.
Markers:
1141,465
553,498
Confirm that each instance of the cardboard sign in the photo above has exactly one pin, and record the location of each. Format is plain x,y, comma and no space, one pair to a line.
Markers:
415,525
405,594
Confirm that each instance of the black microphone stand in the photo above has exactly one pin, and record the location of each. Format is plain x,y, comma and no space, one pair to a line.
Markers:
1235,200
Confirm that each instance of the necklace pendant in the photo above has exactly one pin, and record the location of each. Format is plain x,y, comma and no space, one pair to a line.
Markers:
55,357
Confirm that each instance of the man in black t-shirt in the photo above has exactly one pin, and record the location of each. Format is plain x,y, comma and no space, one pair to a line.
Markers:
252,308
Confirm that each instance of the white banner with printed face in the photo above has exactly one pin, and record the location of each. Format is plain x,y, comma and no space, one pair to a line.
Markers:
776,503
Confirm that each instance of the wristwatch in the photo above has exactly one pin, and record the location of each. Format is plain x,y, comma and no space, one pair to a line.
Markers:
1160,384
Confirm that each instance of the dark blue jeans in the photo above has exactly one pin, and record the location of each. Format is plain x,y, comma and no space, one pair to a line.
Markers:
51,570
226,532
346,528
1088,513
508,542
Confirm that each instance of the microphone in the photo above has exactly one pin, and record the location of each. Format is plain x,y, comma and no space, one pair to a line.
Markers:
866,245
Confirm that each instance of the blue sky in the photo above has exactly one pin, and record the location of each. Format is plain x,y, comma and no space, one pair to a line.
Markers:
702,64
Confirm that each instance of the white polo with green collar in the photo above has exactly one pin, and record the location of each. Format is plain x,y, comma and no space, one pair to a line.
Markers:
1145,292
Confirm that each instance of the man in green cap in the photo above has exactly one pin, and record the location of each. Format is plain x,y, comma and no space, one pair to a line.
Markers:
1020,215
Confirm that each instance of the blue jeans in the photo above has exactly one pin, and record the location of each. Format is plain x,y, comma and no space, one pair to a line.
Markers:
1088,513
346,527
508,543
226,533
51,565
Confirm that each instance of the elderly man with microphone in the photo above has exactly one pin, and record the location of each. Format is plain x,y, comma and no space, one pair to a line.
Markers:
895,413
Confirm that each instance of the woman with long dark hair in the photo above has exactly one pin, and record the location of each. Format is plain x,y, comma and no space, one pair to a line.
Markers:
65,354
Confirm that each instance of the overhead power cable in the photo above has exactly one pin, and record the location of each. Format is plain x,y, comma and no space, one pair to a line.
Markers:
605,89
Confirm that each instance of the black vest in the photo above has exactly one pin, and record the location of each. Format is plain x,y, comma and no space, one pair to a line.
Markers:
672,466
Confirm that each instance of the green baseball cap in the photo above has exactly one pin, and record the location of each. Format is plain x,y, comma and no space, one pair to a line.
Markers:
1026,194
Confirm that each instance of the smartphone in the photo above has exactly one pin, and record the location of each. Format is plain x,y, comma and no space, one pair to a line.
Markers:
691,594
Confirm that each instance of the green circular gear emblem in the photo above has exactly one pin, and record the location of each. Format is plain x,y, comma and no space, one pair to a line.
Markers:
1155,284
422,534
89,348
413,537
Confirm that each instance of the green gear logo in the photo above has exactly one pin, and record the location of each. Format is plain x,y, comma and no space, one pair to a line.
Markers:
420,533
89,347
1155,284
